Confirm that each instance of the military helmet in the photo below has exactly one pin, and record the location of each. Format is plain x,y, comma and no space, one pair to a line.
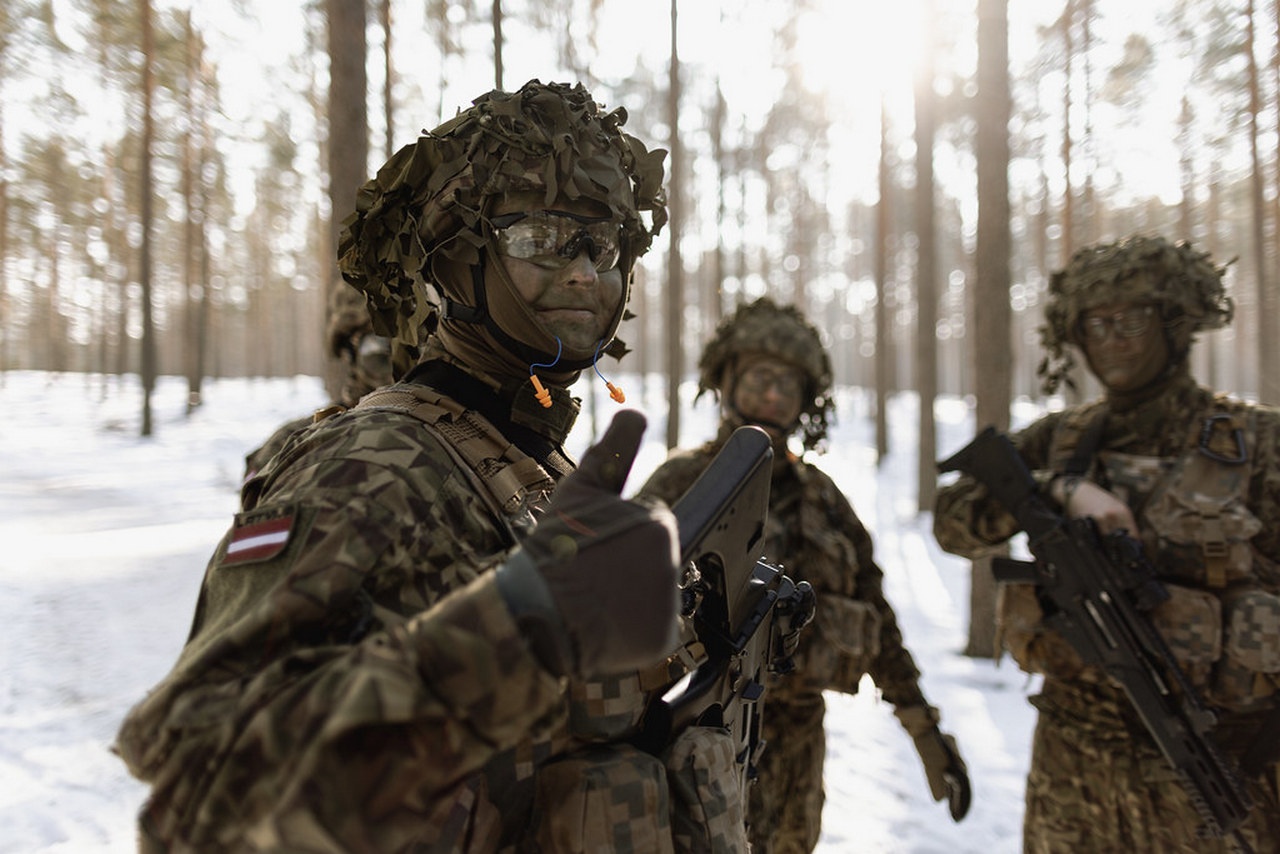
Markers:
765,327
1182,282
431,201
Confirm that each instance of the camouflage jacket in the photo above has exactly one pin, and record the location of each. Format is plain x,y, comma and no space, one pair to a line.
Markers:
353,680
815,535
1150,455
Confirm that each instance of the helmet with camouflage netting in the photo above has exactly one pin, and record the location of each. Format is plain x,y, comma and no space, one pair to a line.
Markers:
780,331
428,208
1182,282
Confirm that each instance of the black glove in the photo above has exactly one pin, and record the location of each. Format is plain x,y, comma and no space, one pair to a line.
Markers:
595,586
943,766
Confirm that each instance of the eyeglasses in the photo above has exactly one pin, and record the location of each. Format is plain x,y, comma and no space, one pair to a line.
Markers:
759,378
551,239
1129,323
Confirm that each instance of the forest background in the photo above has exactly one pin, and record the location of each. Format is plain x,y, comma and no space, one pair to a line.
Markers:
172,174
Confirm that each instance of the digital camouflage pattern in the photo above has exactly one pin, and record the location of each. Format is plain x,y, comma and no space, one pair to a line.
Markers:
814,533
1097,780
764,326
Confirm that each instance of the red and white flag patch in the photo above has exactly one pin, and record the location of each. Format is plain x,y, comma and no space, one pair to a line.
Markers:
259,537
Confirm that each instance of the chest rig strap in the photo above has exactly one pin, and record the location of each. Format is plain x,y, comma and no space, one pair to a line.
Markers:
508,479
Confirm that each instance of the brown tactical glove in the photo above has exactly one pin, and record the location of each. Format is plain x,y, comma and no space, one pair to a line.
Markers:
594,587
943,766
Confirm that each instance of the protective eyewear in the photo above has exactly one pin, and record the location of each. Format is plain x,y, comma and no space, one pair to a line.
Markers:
551,239
1129,323
759,378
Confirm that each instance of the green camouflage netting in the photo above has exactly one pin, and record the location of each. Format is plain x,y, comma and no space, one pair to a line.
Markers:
764,326
1182,281
432,198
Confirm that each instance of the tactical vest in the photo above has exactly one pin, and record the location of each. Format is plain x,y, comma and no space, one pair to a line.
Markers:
598,792
1222,620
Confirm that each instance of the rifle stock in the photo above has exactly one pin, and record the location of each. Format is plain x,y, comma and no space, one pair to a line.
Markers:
1096,592
746,613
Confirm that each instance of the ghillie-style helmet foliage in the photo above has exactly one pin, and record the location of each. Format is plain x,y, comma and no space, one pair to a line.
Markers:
1183,283
430,203
765,327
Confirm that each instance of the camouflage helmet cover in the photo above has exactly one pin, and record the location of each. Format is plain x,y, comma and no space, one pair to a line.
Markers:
1183,282
432,198
765,327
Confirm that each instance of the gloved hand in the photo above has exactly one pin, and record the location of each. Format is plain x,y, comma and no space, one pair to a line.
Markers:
943,766
595,586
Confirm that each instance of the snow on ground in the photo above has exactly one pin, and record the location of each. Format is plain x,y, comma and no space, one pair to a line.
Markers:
104,537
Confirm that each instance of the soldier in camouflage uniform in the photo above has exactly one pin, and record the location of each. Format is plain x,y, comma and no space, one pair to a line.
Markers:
1197,476
368,361
767,366
395,646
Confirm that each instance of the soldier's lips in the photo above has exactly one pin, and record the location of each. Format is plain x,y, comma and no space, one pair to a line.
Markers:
567,313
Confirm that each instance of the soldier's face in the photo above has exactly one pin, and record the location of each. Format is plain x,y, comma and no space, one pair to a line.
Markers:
767,392
564,263
1124,344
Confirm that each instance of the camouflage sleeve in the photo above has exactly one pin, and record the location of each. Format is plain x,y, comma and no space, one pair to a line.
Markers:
346,675
893,669
967,521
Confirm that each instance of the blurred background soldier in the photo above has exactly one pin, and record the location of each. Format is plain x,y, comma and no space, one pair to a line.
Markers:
1195,476
767,366
391,643
367,358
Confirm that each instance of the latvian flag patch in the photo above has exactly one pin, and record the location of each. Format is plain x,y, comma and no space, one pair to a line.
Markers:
259,536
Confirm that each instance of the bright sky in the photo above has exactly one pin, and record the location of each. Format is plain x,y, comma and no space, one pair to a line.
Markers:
852,50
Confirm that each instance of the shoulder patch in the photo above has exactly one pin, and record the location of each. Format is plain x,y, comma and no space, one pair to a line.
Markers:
259,535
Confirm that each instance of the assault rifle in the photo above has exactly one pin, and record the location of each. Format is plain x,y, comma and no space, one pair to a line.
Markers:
1096,591
746,613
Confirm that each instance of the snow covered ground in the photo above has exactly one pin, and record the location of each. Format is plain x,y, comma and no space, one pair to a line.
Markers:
104,537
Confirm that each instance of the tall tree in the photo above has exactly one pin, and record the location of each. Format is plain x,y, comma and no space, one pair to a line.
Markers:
388,81
348,137
675,228
148,367
991,320
926,265
497,44
1268,346
883,247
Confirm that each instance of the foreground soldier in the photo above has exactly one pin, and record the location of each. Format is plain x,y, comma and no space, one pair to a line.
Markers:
1196,476
767,366
391,645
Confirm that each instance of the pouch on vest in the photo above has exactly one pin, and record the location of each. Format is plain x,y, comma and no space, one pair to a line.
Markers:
847,639
1247,674
601,800
1190,621
707,802
1200,516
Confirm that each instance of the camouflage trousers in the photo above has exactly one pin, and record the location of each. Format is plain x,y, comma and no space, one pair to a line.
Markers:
1093,787
785,803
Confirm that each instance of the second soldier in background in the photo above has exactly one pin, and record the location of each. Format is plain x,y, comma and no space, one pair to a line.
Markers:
768,368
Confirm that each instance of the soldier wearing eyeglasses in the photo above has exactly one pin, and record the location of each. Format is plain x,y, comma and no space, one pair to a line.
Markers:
1193,474
427,629
767,366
